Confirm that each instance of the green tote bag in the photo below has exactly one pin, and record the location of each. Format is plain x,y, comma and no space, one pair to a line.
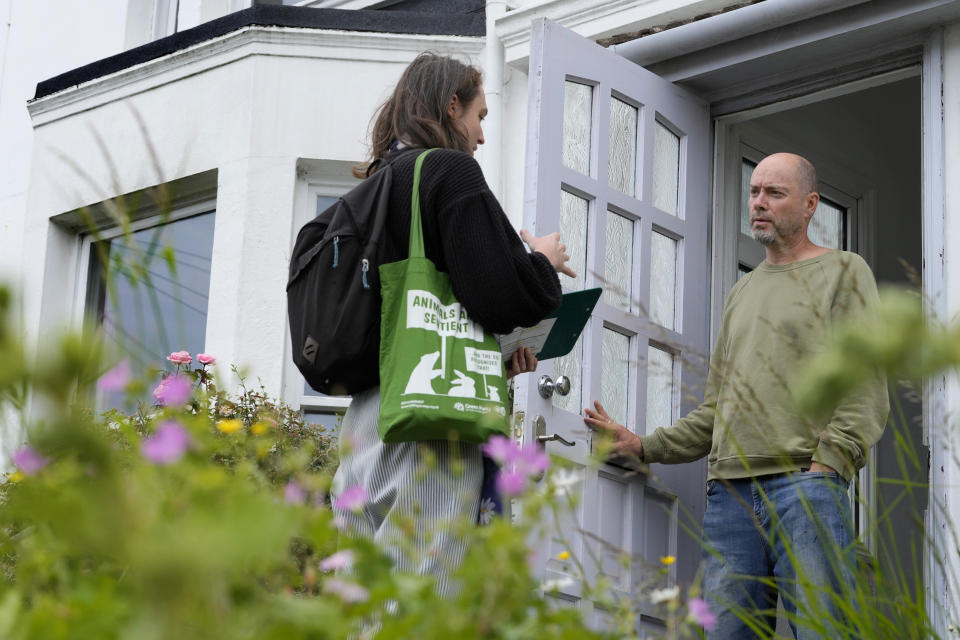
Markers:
441,373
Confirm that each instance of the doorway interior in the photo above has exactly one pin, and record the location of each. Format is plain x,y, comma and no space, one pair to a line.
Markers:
865,140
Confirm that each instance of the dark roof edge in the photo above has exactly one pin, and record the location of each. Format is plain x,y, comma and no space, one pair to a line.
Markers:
275,16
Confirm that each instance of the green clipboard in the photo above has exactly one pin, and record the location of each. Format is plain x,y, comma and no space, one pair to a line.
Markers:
555,335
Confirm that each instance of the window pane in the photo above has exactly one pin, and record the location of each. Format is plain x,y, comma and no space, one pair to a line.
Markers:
618,262
569,365
573,230
157,308
325,202
659,388
746,170
614,374
577,122
326,421
827,225
663,279
623,146
666,169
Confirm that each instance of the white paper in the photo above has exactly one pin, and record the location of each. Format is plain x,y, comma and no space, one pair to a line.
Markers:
534,337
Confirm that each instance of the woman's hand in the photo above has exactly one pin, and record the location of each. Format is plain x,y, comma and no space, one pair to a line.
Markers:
625,442
522,361
550,246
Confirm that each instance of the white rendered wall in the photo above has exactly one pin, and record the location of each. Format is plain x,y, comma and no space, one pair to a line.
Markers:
39,40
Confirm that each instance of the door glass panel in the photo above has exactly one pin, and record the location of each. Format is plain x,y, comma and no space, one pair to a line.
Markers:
618,262
569,365
659,388
746,170
827,225
663,279
614,373
623,146
577,120
666,169
573,230
613,495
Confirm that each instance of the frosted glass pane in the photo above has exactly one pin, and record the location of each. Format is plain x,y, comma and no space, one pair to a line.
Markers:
623,146
569,365
663,279
618,261
614,373
666,169
746,170
827,225
659,388
573,232
577,119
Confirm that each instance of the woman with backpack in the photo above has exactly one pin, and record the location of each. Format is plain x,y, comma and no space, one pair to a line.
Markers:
418,486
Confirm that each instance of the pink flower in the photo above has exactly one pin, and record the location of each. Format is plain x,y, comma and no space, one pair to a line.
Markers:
501,449
700,614
180,357
205,358
293,493
167,444
116,379
339,560
173,391
511,482
346,591
532,459
29,461
351,499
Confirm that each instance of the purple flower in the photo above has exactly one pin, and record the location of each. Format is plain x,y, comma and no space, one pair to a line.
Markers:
173,391
346,591
339,560
351,499
500,449
293,493
511,482
700,614
116,379
29,461
167,444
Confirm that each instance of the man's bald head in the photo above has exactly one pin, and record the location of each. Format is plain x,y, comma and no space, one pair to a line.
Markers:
803,170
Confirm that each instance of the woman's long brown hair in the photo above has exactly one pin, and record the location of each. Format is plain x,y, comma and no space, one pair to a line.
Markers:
416,112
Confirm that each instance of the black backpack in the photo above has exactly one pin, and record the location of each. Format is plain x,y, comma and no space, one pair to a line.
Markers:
333,293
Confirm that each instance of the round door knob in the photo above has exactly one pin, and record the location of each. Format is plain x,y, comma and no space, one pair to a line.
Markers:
562,385
545,386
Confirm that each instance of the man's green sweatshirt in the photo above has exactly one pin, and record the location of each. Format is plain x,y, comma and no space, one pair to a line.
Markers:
774,318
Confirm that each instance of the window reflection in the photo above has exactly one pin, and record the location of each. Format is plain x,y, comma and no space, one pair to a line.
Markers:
155,299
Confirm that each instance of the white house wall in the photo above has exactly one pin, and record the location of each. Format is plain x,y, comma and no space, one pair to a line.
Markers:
39,40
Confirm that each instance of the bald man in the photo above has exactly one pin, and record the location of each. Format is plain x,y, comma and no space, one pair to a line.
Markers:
778,518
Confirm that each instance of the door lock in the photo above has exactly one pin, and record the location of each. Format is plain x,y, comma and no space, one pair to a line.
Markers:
547,386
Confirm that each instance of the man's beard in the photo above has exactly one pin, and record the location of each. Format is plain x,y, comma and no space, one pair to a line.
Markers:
777,231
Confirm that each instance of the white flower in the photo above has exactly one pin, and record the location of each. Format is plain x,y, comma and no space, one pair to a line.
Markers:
549,586
664,595
486,511
564,480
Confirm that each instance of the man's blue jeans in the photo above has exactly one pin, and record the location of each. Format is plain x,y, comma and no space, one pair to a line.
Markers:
791,533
